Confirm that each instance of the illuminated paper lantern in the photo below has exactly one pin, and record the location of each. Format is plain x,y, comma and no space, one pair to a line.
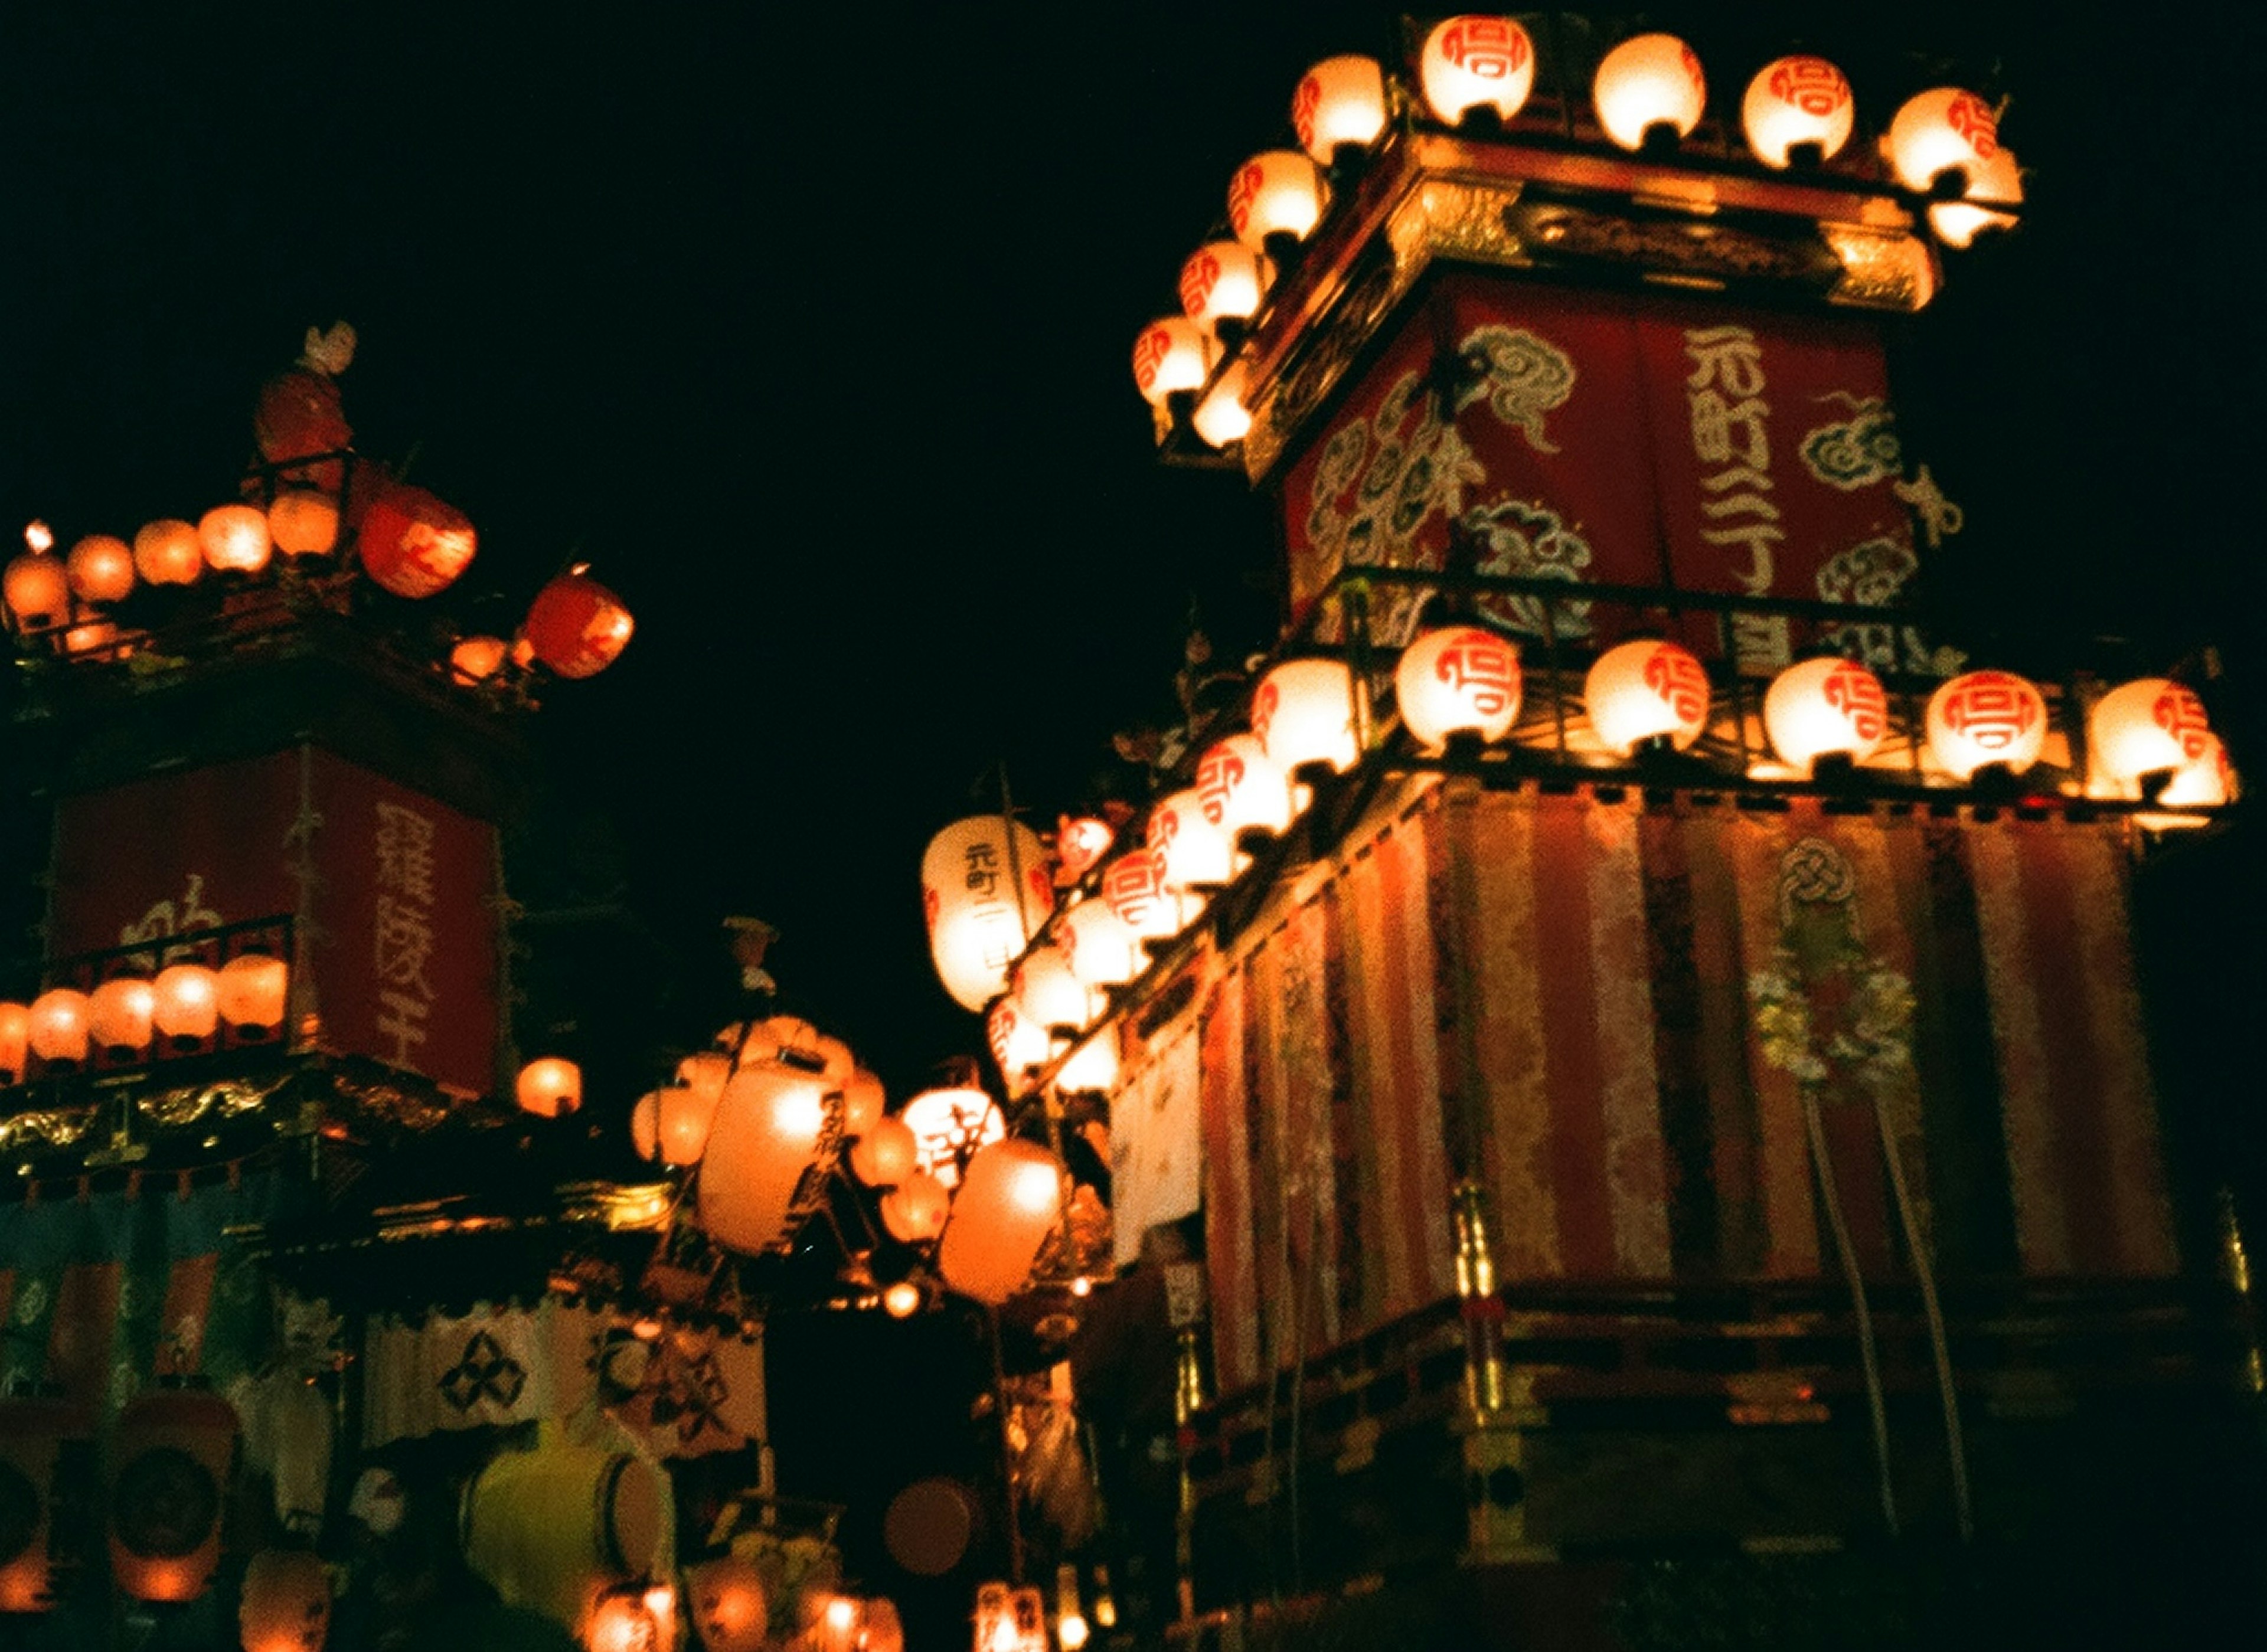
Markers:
285,1602
902,1300
1171,354
1278,192
684,1115
862,1101
949,1123
253,989
1986,717
770,1128
1194,853
15,1039
1243,789
1797,100
2145,727
622,1621
168,553
1458,679
299,414
576,626
1944,129
1049,992
101,569
1644,690
885,1154
92,638
1302,712
414,544
477,658
1092,1068
1826,707
1134,886
1009,1200
1223,281
1471,62
704,1072
914,1210
120,1014
986,890
1079,845
2206,781
235,538
56,1025
303,522
726,1601
1221,417
170,1461
1103,950
1019,1044
37,589
1648,80
880,1628
34,1436
1998,183
645,1125
1342,100
550,1087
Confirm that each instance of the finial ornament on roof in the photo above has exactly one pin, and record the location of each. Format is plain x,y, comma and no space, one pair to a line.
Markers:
330,353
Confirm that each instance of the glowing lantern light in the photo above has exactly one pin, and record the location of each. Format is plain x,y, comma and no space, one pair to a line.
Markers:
188,1006
576,626
684,1115
1797,100
303,522
252,988
886,1155
477,658
1009,1620
1341,101
1243,789
1278,192
93,638
1103,950
914,1210
35,1435
1169,355
550,1087
15,1039
770,1127
1194,853
1454,680
1940,130
948,1124
1221,418
622,1621
168,553
2207,781
882,1630
1049,992
1010,1199
862,1099
119,1014
725,1598
235,538
1079,845
1471,62
645,1125
38,538
1018,1044
1092,1067
902,1300
57,1025
101,569
37,589
1998,183
1303,712
285,1602
1134,888
986,890
2143,727
1825,707
1986,717
170,1459
1645,690
1648,80
414,544
1223,281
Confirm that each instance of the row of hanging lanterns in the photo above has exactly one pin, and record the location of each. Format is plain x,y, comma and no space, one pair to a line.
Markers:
185,1005
1648,95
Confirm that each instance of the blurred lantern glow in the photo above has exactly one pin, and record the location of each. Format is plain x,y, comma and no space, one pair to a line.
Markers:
2207,781
1009,1200
1473,62
1080,845
2146,726
1092,1068
1134,885
949,1123
1221,417
1646,690
1223,281
726,1601
119,1014
235,538
1944,129
769,1128
882,1630
1170,353
1278,192
1998,183
251,992
303,522
15,1039
576,626
862,1101
902,1300
986,890
1458,679
414,544
1103,949
168,553
92,638
1648,80
886,1155
56,1026
1194,853
704,1072
477,658
1797,100
1825,707
645,1125
621,1621
188,1006
1050,993
1243,789
687,1114
101,569
549,1086
914,1210
37,589
285,1604
1340,100
1019,1043
1986,717
1302,712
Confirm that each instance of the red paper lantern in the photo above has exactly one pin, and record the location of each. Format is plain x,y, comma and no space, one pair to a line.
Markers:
32,1435
1010,1198
253,989
37,591
415,544
171,1463
303,523
914,1209
236,538
883,1157
477,658
101,569
119,1014
187,1002
298,415
57,1025
15,1041
168,552
550,1087
576,626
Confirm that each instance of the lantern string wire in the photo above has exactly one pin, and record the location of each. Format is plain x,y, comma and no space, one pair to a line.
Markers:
1823,1163
1940,1349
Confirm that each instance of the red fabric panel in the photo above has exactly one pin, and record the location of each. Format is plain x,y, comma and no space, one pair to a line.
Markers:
79,1332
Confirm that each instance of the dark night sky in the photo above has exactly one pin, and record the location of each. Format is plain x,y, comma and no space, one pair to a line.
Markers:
809,328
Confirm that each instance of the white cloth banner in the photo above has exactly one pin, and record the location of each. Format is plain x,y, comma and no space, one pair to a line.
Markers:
1154,1157
492,1367
702,1392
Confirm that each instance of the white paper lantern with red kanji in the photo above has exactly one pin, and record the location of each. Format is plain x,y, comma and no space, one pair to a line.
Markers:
1171,354
2145,727
1943,129
885,1154
168,552
1080,845
1986,717
914,1210
1458,679
415,544
1243,789
1302,712
1648,80
1277,192
986,890
1220,416
1340,100
120,1012
101,569
1797,100
1019,1044
1195,854
576,626
1010,1199
1647,689
769,1128
1134,886
1827,707
1998,183
1223,281
1049,992
1103,949
948,1123
236,538
549,1087
1474,61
